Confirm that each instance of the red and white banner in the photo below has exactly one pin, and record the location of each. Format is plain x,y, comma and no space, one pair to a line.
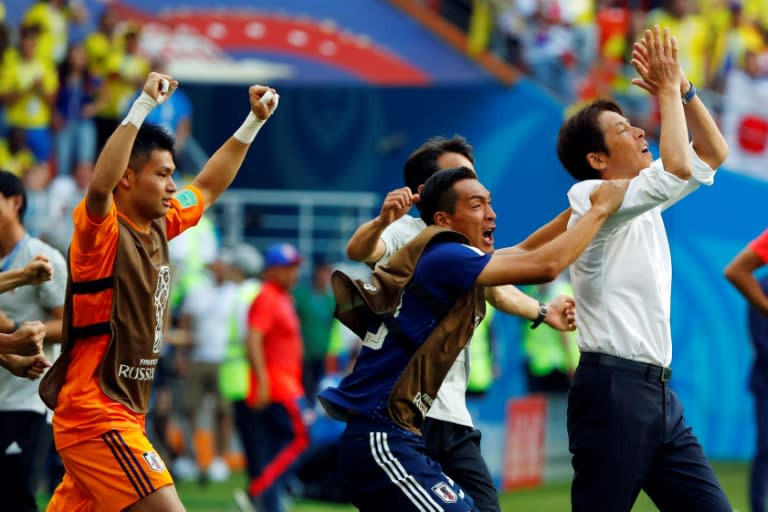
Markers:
745,124
524,447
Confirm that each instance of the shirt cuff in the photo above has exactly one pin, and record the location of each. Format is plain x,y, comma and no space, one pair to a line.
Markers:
702,172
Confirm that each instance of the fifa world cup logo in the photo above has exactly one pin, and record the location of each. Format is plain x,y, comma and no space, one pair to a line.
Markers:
162,291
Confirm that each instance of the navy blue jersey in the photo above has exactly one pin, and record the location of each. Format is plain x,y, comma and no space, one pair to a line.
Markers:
445,272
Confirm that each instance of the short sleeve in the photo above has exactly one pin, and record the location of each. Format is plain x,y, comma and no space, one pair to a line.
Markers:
760,246
701,172
465,263
653,187
261,313
399,233
186,209
90,235
578,196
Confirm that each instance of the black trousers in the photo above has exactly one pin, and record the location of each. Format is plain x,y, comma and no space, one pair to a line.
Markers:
457,449
626,432
24,440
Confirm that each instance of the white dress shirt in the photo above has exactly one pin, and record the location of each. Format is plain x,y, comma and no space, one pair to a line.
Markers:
622,282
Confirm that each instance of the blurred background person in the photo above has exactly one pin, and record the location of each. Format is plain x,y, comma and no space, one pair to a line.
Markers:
54,18
102,43
29,90
25,430
124,72
742,271
315,306
270,419
16,156
77,102
203,321
64,192
551,355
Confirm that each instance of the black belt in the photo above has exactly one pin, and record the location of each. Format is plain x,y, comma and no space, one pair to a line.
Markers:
649,371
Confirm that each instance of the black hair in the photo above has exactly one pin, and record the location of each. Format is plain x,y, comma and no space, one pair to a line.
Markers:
439,195
580,135
149,138
11,185
423,161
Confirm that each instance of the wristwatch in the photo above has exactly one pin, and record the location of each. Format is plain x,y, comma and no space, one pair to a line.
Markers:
542,315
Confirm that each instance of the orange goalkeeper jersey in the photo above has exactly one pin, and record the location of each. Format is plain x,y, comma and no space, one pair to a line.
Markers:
83,411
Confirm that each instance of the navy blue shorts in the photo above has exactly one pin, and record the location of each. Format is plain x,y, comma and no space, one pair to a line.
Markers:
385,468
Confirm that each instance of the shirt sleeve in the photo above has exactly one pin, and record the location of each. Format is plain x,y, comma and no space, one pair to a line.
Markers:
261,313
760,246
89,236
191,303
466,263
397,234
186,209
702,174
652,188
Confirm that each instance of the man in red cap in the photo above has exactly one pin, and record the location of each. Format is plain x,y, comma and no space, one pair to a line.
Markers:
269,419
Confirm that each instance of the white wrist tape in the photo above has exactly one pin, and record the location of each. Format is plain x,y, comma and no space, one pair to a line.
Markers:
139,110
248,130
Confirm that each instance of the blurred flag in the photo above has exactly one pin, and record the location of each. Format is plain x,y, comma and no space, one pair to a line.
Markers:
745,124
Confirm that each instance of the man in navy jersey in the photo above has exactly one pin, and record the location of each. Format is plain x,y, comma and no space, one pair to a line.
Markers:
415,316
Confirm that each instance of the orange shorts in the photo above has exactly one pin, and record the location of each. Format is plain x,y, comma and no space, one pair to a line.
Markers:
109,473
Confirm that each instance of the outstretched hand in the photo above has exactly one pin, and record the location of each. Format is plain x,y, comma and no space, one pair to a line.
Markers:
561,313
396,204
655,58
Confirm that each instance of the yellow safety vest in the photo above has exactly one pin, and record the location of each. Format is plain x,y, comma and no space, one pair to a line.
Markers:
481,355
544,346
234,371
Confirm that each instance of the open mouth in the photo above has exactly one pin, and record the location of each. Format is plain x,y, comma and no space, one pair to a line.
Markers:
645,149
488,236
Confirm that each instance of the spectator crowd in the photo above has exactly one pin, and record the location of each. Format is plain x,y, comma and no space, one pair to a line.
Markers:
63,89
581,49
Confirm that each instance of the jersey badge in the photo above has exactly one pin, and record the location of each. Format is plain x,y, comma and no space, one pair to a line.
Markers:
154,461
445,492
186,198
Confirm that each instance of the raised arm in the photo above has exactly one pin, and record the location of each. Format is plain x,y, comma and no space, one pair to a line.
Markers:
366,244
113,159
740,272
221,169
551,259
708,141
656,60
